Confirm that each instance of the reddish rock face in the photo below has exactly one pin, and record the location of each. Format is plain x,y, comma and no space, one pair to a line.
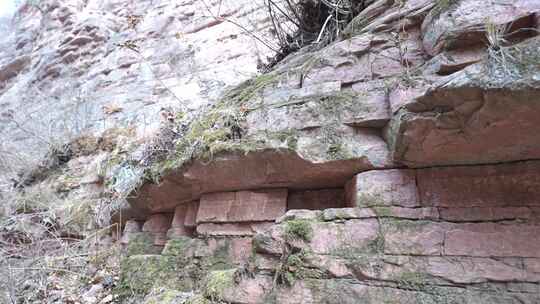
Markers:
461,24
191,214
383,188
316,199
158,225
329,238
242,206
178,229
179,216
230,229
264,169
487,186
488,240
503,185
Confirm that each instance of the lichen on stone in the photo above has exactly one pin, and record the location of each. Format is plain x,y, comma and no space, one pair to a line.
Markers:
217,282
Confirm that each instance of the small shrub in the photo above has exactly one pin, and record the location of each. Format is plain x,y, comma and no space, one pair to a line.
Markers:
298,229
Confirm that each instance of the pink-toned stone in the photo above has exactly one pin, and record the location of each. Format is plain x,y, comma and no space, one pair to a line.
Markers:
249,290
493,240
242,206
463,24
240,250
157,223
299,214
473,270
191,214
347,214
179,216
405,237
383,188
336,267
178,229
264,169
470,214
532,265
232,229
316,199
464,124
516,184
452,61
426,213
380,212
330,238
403,96
374,112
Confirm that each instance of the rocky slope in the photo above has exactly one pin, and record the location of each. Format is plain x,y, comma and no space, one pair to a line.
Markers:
399,164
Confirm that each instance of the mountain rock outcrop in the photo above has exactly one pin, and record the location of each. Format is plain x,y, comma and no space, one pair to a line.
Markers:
398,164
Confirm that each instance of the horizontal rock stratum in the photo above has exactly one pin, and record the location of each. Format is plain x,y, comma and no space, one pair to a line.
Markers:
398,163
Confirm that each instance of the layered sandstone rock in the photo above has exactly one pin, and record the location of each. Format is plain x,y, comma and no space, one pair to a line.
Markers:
396,165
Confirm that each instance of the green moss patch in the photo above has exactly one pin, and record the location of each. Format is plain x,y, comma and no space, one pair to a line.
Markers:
142,243
140,273
298,229
177,247
217,282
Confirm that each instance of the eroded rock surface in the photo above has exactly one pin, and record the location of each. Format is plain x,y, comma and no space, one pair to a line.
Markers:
399,164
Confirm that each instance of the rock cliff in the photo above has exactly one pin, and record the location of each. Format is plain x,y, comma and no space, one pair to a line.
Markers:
399,163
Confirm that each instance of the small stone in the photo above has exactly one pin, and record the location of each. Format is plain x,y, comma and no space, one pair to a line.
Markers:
107,299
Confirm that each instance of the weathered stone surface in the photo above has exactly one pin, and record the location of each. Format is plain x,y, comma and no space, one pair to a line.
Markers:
191,214
229,229
516,184
266,169
407,237
383,188
461,24
158,223
403,96
450,62
314,291
473,116
347,214
374,111
493,240
242,206
477,214
381,212
475,270
249,291
331,238
179,216
316,199
178,229
157,226
299,214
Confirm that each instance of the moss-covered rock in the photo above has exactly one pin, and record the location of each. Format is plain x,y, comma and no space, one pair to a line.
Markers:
178,246
141,273
142,243
217,282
